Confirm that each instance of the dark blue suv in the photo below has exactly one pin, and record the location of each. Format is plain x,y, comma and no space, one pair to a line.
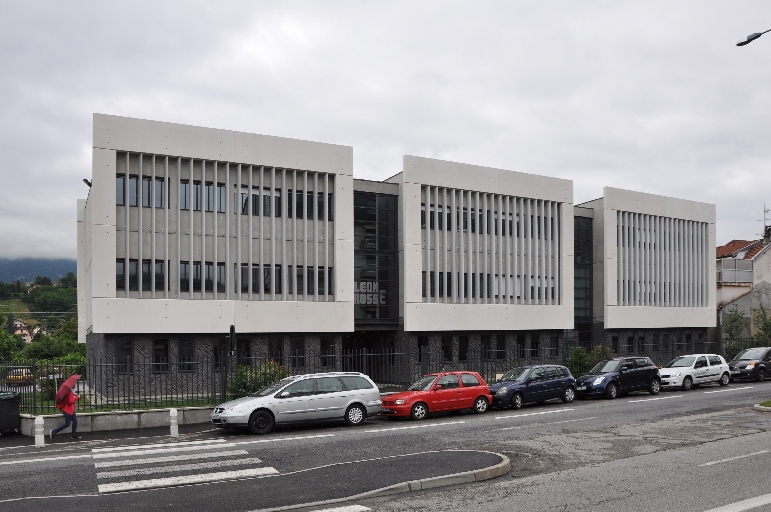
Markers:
614,377
533,384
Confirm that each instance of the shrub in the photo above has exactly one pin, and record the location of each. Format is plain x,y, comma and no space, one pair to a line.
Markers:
249,379
581,361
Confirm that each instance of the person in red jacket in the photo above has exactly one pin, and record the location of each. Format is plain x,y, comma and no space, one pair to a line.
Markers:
67,405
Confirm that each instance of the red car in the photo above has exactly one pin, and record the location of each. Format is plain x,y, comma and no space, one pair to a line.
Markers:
446,391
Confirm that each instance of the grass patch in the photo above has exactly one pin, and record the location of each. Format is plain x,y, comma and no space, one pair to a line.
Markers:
767,403
19,309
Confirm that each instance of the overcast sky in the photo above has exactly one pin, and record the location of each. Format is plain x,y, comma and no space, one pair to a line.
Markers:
648,96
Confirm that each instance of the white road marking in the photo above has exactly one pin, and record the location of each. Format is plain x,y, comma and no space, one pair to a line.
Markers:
531,414
277,439
154,445
162,450
651,399
171,458
349,508
44,459
178,467
156,483
416,426
533,425
739,506
733,458
731,389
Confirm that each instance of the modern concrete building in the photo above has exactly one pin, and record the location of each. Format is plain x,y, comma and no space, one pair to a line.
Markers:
653,272
187,231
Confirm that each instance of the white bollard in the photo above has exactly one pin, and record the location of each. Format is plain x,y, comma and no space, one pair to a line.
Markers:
40,433
174,426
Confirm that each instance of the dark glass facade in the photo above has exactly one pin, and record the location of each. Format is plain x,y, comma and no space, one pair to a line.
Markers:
376,265
583,280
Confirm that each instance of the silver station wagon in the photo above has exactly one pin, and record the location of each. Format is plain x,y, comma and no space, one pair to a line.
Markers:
321,396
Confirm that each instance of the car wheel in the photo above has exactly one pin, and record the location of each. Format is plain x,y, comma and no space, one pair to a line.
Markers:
355,415
480,405
568,395
516,401
655,387
612,391
761,375
687,384
419,411
724,379
261,422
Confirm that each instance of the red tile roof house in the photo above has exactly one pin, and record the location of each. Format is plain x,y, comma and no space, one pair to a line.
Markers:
744,277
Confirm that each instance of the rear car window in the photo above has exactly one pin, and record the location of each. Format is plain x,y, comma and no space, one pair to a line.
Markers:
352,383
552,372
328,385
642,362
629,363
715,360
469,380
449,382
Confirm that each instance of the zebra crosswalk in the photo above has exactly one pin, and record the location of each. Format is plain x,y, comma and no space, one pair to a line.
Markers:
124,468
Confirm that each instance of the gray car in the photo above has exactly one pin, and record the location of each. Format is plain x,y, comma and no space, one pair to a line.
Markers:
321,396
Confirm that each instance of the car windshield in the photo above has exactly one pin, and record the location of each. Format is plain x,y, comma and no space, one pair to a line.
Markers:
423,383
269,390
606,366
749,354
681,362
515,375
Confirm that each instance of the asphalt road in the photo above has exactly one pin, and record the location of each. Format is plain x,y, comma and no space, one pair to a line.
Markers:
625,454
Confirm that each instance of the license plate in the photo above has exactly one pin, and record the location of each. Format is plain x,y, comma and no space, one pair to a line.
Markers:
386,409
734,372
581,388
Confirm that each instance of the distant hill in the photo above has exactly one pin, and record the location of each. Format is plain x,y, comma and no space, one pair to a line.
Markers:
26,269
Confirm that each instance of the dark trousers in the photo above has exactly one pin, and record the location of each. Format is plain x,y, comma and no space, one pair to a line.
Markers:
68,418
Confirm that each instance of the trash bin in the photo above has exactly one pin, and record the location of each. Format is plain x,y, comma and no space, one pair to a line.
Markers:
10,418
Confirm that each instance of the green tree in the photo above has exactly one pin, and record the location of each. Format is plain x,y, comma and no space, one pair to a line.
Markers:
581,361
9,345
5,290
51,348
733,324
42,281
52,304
67,331
9,324
762,323
68,281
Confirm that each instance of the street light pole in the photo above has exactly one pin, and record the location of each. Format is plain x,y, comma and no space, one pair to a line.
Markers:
751,38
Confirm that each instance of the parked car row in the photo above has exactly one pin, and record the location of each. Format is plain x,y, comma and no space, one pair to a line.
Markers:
352,397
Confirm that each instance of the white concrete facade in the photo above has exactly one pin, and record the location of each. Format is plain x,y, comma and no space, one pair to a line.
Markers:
525,281
654,261
295,225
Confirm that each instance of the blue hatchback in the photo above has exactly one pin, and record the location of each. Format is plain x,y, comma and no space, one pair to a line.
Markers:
533,384
613,377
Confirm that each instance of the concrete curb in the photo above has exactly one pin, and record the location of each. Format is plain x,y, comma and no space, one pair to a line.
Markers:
760,408
503,467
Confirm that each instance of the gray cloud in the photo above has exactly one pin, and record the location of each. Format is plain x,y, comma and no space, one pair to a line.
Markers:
649,96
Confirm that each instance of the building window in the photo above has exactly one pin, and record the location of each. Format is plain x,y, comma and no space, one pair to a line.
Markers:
160,193
221,197
219,351
133,275
209,277
184,194
462,348
133,190
665,341
655,344
447,348
244,352
221,278
486,348
422,346
196,276
147,192
243,204
327,352
629,349
297,348
614,344
120,184
160,271
197,196
209,197
147,275
276,348
124,357
120,274
160,356
500,346
520,346
184,275
186,354
535,345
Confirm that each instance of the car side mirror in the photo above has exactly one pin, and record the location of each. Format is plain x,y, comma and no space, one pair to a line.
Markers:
285,394
438,386
623,369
